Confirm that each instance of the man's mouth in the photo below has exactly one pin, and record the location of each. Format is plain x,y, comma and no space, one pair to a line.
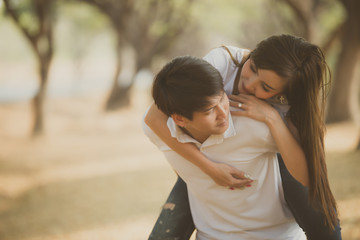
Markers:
224,123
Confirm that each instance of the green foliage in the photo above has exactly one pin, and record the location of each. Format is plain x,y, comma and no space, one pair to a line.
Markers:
223,18
77,26
245,23
160,24
14,49
83,16
29,21
239,22
2,10
27,16
331,16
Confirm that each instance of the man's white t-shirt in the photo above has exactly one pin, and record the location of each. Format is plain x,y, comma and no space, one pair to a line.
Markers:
257,212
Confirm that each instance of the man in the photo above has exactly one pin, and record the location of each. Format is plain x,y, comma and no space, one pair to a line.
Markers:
190,91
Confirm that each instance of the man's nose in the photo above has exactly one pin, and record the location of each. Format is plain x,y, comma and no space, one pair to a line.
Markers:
222,112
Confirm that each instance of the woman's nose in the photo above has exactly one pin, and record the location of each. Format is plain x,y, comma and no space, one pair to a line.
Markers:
252,84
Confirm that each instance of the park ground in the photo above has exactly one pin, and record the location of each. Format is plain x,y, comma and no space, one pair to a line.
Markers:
95,176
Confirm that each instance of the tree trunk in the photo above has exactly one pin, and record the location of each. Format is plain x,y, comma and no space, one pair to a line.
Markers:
339,103
38,112
42,44
44,61
305,13
119,95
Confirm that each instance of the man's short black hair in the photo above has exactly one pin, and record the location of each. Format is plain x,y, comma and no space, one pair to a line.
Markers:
184,85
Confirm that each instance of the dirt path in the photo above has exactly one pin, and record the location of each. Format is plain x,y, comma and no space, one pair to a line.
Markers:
96,176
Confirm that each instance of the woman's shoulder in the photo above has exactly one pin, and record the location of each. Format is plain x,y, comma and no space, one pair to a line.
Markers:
222,54
238,53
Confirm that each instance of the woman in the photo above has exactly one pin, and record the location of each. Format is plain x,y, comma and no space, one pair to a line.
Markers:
291,75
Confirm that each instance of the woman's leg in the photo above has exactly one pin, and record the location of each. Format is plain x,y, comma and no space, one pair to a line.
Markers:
175,221
309,219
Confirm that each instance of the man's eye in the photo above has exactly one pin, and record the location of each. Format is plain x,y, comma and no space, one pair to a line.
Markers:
208,111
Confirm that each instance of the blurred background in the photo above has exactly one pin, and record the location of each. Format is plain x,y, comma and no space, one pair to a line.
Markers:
75,79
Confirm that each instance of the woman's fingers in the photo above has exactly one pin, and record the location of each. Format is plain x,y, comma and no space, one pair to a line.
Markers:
231,177
240,97
239,101
241,180
241,175
237,104
241,184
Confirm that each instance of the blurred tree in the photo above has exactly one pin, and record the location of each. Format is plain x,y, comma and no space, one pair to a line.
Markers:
79,25
306,13
149,28
318,21
342,97
34,19
347,34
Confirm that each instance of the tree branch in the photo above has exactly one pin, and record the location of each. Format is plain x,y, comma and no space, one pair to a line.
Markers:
15,17
301,15
335,34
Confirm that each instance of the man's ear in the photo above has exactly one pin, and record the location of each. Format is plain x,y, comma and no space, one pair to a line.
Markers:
179,120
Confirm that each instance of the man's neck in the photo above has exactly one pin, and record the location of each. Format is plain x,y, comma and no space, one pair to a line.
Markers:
200,139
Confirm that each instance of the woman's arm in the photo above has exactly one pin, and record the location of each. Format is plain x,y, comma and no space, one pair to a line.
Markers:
289,147
284,136
222,174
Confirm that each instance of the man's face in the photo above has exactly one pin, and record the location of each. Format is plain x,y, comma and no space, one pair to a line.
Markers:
213,119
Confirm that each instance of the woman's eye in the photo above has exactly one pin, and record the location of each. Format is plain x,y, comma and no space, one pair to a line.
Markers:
265,88
253,68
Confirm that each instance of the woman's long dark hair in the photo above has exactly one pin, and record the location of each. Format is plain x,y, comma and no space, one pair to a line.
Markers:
303,65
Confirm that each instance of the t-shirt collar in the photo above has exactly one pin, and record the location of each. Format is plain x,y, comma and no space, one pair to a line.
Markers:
182,137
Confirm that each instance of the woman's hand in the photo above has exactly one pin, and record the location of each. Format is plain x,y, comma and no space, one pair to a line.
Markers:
285,138
253,107
228,176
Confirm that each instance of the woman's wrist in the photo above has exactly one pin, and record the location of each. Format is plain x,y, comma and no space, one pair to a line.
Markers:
272,118
208,167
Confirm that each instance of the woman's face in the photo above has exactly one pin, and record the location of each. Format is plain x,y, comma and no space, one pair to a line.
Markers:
261,83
